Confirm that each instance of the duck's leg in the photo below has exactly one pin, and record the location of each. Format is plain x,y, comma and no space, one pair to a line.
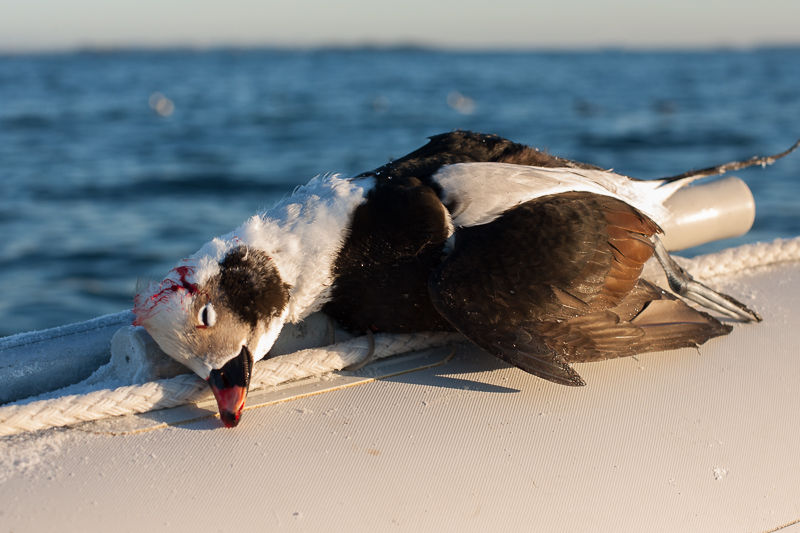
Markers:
683,284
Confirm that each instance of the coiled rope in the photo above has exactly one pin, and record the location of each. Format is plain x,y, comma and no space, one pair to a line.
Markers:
745,257
188,388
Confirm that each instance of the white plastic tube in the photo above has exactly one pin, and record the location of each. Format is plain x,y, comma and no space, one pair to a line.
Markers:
709,212
40,361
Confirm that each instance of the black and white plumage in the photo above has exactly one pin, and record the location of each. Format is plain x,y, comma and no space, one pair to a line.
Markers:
534,258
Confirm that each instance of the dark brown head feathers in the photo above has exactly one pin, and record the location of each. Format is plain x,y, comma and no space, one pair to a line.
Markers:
252,285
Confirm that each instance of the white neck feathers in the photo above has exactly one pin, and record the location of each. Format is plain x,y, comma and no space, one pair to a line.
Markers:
302,234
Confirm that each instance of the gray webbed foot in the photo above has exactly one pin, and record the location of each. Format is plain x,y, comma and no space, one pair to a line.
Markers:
683,284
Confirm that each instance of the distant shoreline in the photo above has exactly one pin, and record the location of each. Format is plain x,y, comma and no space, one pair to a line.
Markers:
394,48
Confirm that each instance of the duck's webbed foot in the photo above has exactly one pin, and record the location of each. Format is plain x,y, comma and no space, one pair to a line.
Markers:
683,284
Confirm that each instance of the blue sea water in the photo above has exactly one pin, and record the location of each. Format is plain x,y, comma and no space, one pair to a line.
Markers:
114,165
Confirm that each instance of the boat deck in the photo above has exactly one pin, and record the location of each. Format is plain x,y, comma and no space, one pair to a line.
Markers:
451,439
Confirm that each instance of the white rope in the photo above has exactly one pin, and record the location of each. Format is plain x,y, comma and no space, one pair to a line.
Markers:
743,257
188,388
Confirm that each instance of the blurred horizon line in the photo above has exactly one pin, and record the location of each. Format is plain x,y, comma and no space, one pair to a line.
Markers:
400,46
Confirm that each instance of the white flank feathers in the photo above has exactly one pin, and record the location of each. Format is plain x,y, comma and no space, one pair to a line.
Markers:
481,192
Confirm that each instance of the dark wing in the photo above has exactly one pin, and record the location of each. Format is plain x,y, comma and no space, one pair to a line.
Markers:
648,319
549,260
469,147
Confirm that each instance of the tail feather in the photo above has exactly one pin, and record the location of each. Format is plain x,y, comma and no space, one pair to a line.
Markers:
664,188
730,166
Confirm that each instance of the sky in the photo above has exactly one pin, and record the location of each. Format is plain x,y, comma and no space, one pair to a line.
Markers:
68,24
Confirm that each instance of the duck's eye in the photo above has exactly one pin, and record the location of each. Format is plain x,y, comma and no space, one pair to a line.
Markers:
207,317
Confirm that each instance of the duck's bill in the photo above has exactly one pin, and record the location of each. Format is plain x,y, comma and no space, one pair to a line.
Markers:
230,384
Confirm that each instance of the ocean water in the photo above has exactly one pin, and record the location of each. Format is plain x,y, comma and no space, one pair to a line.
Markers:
114,165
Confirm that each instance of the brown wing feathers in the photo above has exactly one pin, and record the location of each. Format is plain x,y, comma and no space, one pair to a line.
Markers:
558,283
648,319
638,317
628,238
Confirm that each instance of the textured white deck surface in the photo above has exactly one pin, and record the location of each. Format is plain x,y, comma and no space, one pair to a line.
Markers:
689,440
